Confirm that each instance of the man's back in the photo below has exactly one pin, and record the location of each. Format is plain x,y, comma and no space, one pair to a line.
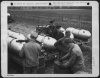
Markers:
31,52
79,63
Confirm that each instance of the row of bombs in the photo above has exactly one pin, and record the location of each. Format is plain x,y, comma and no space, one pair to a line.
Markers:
13,37
48,42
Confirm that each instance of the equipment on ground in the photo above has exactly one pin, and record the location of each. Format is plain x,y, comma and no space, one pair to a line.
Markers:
16,40
16,35
48,42
14,45
79,33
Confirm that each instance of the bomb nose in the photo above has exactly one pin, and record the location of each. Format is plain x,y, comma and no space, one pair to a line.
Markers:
88,33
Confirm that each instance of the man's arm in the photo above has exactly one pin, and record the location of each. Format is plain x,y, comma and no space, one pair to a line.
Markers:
70,62
65,57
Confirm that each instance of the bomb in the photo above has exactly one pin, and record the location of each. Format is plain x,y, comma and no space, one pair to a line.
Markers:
64,31
16,35
13,37
48,42
79,33
14,45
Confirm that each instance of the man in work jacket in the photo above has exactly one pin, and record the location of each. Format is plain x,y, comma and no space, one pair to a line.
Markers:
71,57
30,54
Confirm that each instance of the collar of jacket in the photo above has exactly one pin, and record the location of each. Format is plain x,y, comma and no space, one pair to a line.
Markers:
70,46
32,40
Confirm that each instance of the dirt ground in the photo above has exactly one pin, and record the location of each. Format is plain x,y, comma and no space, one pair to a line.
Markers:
25,21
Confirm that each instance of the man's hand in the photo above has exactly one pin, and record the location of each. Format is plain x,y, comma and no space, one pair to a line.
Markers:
57,62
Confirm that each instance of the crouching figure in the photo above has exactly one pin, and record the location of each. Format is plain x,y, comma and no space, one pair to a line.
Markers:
71,58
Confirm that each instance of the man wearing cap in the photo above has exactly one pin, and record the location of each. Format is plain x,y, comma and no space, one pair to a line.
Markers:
50,28
71,57
30,54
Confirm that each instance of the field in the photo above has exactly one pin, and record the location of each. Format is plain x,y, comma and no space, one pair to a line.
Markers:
25,21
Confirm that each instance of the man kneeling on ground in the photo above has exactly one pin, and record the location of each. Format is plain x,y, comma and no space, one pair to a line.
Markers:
71,57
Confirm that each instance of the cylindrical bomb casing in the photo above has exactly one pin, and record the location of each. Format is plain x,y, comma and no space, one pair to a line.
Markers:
40,38
75,32
11,33
84,33
17,46
70,29
16,35
80,33
64,31
48,42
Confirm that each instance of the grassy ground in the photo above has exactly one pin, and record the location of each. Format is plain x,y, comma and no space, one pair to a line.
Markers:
25,21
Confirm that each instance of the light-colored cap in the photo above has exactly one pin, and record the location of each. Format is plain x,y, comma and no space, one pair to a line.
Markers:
32,35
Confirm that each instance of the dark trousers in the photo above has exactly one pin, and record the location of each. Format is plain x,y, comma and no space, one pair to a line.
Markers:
59,70
30,70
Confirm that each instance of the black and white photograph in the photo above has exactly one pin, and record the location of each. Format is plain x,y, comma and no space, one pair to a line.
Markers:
50,40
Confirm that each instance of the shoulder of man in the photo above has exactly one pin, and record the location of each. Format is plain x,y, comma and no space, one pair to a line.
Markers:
31,43
76,49
37,44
